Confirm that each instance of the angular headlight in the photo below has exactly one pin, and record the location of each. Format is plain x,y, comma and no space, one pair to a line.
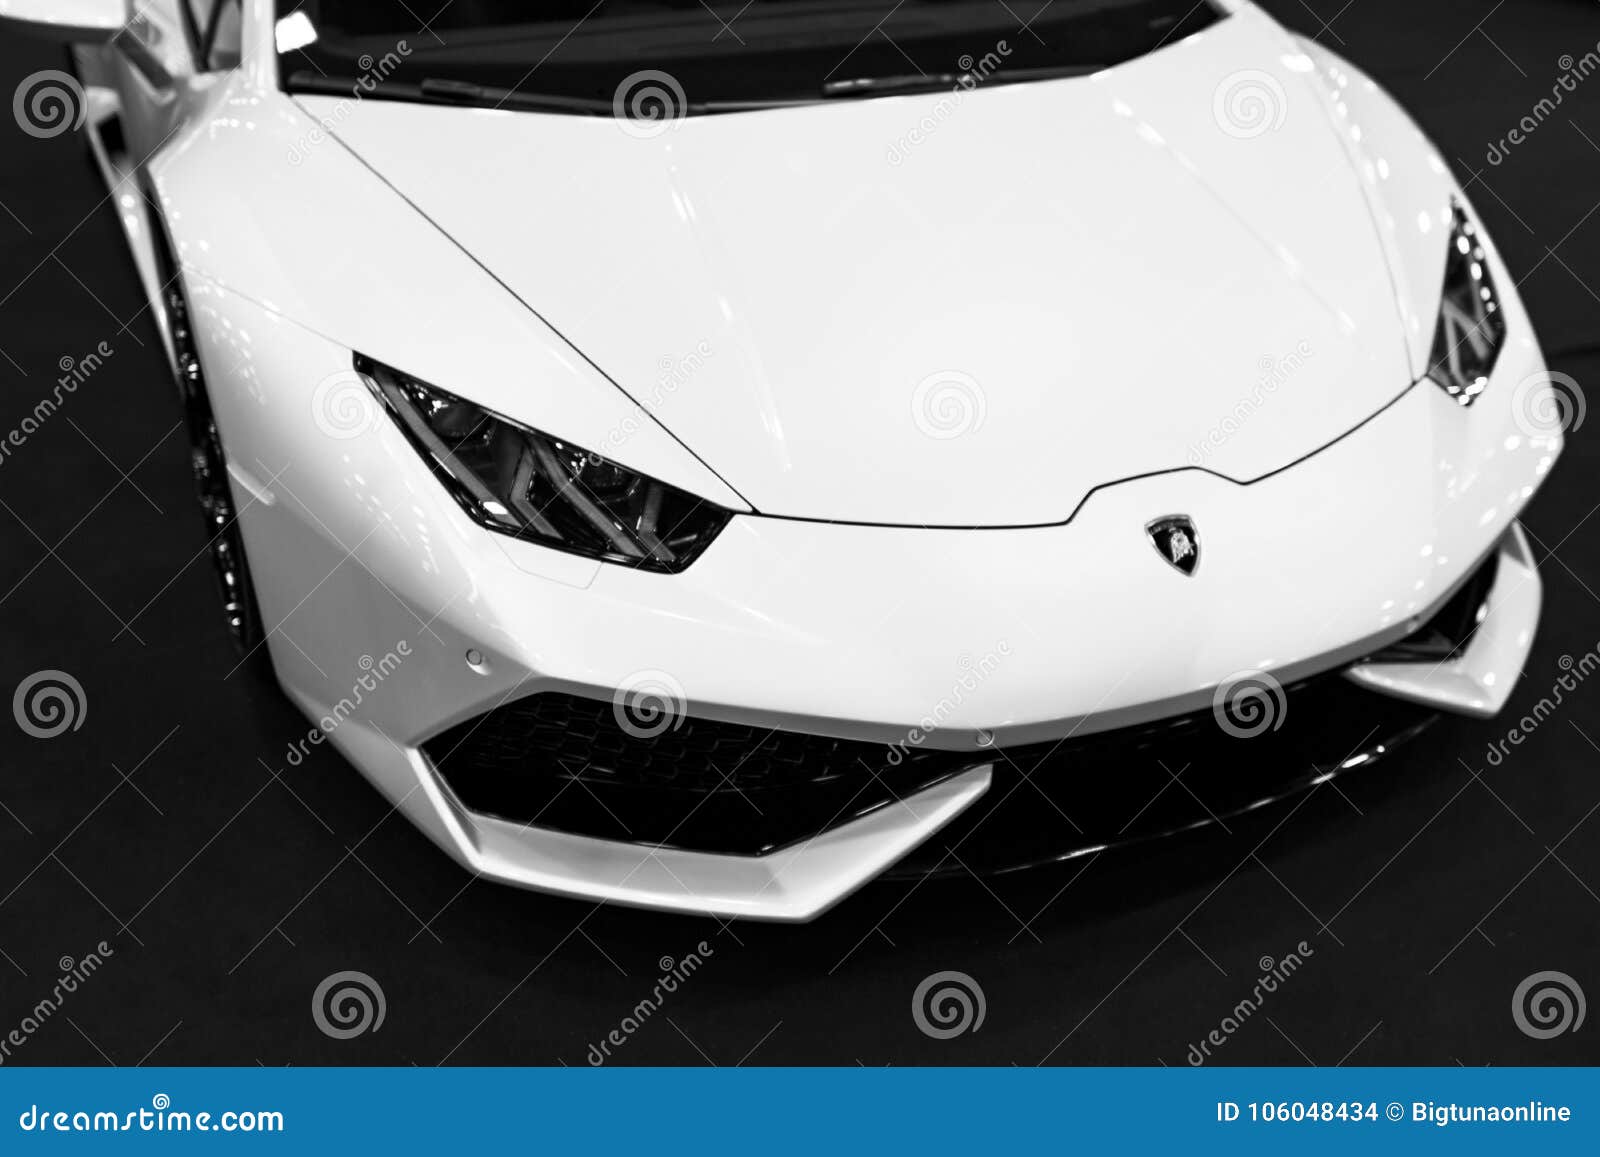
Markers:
1472,327
530,485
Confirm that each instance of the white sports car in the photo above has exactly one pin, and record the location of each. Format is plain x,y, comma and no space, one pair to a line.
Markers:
706,456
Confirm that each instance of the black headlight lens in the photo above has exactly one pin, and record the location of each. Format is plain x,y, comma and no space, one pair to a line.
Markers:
1472,326
530,485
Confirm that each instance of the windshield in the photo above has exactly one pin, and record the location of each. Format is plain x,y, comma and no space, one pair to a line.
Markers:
706,55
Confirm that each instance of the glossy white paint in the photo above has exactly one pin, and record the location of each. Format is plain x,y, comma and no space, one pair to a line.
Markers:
858,630
72,20
1480,679
263,203
1407,184
1155,259
1090,273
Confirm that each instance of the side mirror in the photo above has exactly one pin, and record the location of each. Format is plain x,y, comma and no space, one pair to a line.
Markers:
81,21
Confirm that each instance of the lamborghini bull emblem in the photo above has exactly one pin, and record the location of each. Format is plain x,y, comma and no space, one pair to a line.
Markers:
1177,541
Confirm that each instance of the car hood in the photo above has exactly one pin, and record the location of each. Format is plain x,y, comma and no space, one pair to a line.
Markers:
958,309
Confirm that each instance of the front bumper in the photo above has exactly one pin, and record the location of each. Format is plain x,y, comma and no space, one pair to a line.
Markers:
968,642
992,811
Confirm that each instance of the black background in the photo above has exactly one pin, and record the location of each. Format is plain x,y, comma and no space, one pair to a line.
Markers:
229,884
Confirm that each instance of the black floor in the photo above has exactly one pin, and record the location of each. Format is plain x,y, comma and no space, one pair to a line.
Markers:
229,884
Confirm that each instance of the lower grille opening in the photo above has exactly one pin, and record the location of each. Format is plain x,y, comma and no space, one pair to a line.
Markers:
1447,633
567,763
584,766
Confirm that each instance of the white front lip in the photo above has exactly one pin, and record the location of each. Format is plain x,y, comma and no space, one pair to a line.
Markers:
1480,679
793,883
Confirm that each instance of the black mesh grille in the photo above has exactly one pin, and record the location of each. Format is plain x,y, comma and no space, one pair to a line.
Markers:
1050,802
566,762
563,762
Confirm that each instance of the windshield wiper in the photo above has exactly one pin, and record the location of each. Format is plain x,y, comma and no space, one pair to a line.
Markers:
909,83
433,90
